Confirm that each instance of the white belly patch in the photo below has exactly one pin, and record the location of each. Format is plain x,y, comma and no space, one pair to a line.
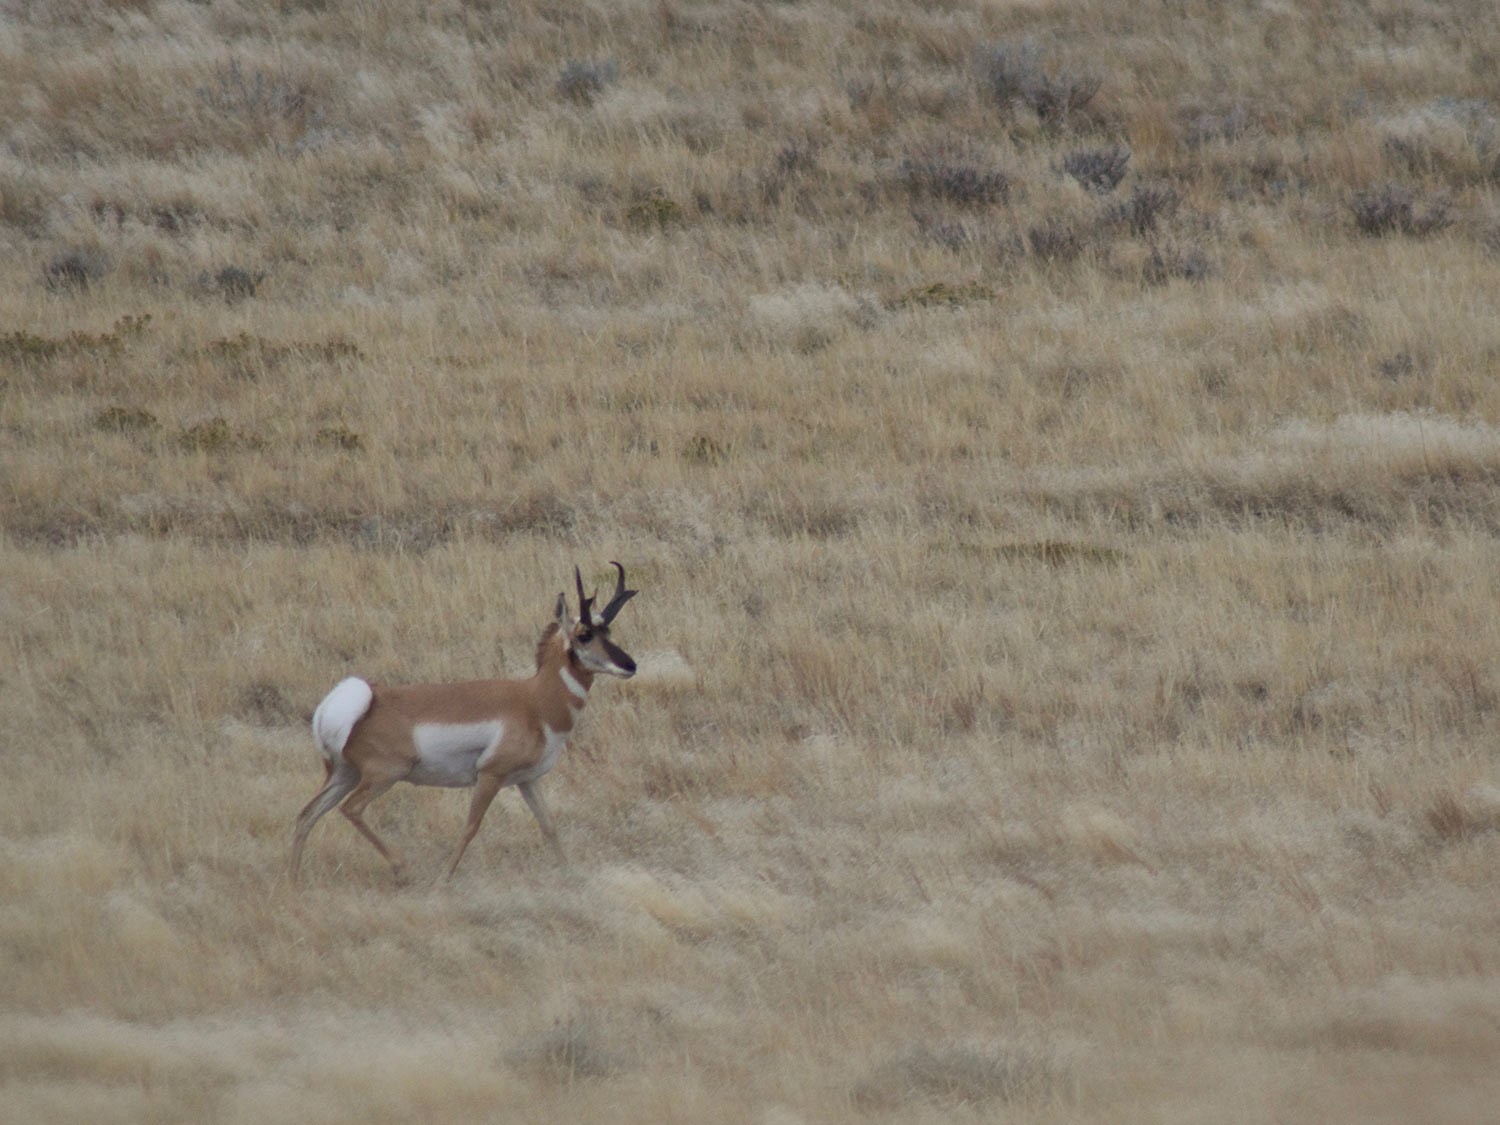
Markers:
450,754
551,751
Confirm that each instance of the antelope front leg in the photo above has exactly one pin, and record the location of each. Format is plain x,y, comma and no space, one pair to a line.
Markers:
484,792
533,799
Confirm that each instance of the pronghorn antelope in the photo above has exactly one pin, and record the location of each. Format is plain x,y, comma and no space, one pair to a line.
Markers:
484,734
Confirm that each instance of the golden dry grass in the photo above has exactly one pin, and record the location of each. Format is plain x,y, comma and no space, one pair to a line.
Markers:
1068,621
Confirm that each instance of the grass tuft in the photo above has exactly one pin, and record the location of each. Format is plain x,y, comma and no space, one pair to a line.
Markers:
955,1076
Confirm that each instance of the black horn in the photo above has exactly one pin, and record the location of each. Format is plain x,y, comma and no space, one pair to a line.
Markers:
584,613
622,595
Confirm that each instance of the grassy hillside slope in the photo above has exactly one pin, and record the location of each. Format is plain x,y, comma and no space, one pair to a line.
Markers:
1058,446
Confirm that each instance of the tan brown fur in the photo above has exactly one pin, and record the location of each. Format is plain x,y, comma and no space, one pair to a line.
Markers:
541,643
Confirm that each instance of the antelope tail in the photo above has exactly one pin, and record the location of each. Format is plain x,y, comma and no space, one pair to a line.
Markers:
334,720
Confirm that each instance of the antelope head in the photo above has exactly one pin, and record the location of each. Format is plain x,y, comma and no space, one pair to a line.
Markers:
587,637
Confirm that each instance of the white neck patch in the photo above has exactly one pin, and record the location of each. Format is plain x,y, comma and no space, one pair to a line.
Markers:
572,684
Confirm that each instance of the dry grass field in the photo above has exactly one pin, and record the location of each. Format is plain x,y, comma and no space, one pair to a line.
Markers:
1058,447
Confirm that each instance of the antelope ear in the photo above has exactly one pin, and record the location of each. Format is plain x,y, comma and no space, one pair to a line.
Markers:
561,612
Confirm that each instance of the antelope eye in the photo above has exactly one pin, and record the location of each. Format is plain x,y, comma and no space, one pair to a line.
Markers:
584,637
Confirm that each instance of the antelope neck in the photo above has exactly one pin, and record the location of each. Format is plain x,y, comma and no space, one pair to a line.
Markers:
576,678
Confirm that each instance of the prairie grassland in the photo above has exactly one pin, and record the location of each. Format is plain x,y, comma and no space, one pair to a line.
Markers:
1058,446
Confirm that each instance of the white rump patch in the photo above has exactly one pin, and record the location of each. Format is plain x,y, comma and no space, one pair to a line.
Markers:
333,721
450,754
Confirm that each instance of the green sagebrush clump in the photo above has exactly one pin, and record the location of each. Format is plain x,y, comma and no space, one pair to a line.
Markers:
654,209
248,357
29,347
212,435
944,294
704,449
126,420
339,437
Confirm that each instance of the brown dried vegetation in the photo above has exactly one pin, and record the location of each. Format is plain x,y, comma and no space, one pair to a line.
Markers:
1059,450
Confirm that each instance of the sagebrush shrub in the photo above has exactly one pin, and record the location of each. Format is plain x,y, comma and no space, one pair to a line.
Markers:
1148,204
1097,169
583,82
953,177
1015,72
1392,210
